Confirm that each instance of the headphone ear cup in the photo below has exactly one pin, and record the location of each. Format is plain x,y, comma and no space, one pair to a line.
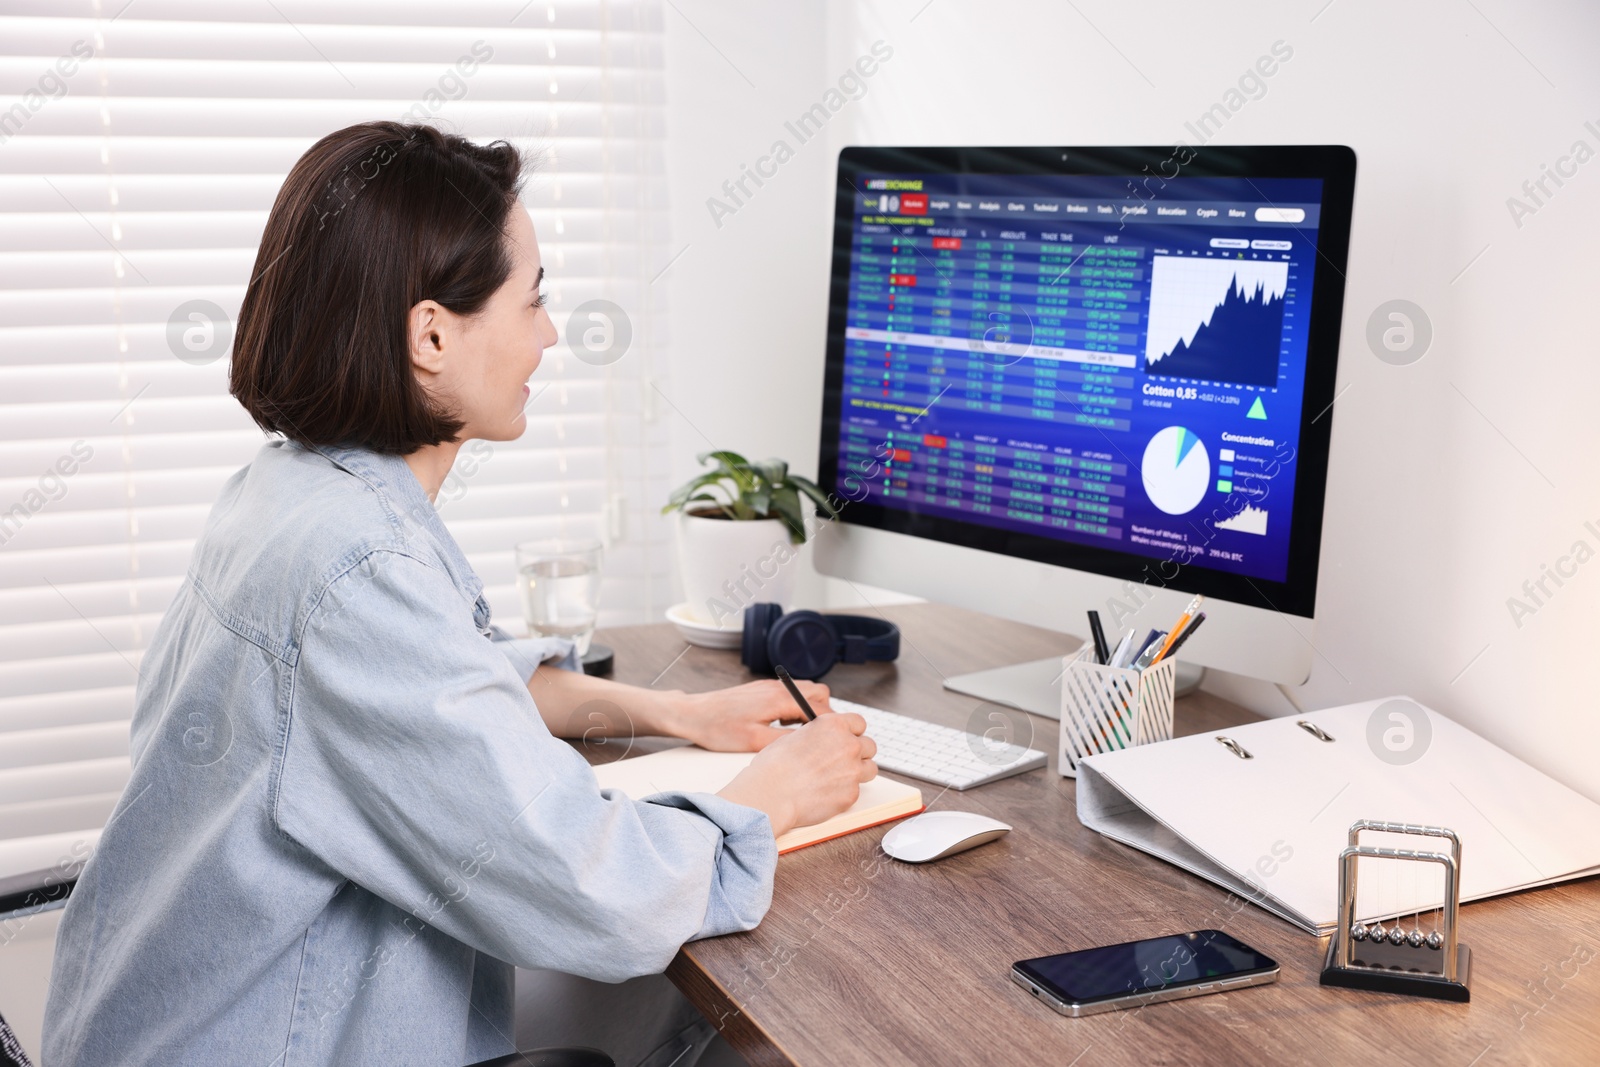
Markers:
758,621
805,643
865,639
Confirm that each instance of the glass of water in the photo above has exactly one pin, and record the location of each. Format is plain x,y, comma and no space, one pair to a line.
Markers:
560,584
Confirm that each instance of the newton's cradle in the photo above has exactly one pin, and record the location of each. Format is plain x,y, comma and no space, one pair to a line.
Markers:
1392,959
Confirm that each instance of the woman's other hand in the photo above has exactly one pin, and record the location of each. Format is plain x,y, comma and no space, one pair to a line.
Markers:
740,719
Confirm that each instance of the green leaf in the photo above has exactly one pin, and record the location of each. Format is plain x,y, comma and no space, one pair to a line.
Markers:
732,467
775,471
812,490
760,500
707,497
793,523
786,502
728,459
682,493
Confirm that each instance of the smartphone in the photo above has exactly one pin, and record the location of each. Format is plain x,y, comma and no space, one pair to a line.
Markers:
1143,972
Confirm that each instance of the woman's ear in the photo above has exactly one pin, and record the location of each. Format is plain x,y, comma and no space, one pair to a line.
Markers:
425,331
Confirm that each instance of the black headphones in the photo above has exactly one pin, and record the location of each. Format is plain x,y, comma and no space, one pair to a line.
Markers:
807,644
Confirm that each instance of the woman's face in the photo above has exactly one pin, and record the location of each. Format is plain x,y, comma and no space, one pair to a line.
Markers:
479,365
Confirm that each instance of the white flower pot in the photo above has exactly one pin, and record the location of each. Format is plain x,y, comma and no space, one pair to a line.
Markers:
728,565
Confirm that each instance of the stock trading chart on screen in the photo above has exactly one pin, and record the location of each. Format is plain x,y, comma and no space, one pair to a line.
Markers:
1060,357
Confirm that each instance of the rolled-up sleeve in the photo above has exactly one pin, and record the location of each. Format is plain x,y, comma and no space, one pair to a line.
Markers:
525,654
417,766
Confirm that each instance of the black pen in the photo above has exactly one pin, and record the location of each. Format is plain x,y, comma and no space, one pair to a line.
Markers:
1102,651
1194,624
794,691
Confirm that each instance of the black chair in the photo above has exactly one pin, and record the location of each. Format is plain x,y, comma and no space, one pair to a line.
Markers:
36,888
552,1057
25,892
11,1051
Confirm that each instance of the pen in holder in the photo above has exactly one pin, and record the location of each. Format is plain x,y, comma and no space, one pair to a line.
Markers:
1107,708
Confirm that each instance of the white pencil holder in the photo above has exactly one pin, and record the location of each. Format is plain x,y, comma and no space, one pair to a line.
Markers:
1107,708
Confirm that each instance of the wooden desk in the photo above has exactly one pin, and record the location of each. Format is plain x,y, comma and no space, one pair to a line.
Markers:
865,960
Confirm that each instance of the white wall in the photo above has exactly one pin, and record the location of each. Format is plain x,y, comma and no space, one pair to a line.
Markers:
747,335
1453,480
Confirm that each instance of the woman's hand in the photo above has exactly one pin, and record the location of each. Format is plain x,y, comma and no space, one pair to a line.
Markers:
739,719
724,720
807,775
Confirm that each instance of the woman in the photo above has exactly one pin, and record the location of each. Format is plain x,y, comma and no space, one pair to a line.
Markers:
348,818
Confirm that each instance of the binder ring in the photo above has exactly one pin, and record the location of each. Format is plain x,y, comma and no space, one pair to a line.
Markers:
1314,730
1234,747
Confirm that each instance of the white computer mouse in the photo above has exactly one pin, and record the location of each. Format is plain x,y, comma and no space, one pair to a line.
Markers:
934,835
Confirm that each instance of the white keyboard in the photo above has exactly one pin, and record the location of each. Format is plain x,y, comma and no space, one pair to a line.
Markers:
940,754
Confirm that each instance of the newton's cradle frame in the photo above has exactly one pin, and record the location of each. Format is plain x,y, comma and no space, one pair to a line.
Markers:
1389,959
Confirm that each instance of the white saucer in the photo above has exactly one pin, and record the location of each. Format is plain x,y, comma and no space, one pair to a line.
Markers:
703,633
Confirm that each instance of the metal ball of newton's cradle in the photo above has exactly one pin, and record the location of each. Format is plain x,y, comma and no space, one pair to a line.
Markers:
1416,939
1377,933
1358,932
1397,936
1435,939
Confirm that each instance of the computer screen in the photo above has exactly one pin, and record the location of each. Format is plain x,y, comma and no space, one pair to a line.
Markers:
1106,360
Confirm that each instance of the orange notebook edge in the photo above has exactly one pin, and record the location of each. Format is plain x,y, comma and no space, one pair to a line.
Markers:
854,829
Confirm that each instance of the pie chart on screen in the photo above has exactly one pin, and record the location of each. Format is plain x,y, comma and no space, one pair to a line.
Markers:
1176,470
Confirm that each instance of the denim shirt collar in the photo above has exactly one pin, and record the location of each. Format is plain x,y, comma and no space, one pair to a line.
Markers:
412,512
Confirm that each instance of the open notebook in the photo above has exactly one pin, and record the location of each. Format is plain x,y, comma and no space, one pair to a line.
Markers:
694,770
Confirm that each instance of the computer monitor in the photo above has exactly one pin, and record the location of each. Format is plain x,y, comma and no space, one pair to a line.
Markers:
1071,378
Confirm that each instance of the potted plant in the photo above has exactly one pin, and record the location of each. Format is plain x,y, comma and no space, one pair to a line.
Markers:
739,525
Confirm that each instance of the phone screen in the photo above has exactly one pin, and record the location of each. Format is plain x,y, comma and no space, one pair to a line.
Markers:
1144,966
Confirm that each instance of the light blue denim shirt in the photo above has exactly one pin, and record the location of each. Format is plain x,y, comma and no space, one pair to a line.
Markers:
346,820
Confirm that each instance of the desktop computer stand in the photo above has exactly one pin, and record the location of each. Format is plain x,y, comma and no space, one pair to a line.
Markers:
1035,686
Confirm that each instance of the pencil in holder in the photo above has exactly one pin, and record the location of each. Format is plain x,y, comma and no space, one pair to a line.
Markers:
1107,708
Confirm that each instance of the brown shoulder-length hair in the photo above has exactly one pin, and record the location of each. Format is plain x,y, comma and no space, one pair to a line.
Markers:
371,220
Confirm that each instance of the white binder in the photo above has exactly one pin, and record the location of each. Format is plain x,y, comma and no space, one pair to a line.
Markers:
1270,827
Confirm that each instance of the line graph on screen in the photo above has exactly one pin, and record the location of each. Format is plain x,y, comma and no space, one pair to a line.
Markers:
1216,319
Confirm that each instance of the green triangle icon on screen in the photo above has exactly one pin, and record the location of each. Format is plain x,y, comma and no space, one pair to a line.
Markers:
1257,411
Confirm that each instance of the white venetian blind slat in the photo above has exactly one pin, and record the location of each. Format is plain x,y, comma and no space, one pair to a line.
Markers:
42,607
146,193
229,154
69,815
71,708
141,179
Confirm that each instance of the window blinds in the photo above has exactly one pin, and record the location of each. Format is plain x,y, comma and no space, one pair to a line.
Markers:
141,146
